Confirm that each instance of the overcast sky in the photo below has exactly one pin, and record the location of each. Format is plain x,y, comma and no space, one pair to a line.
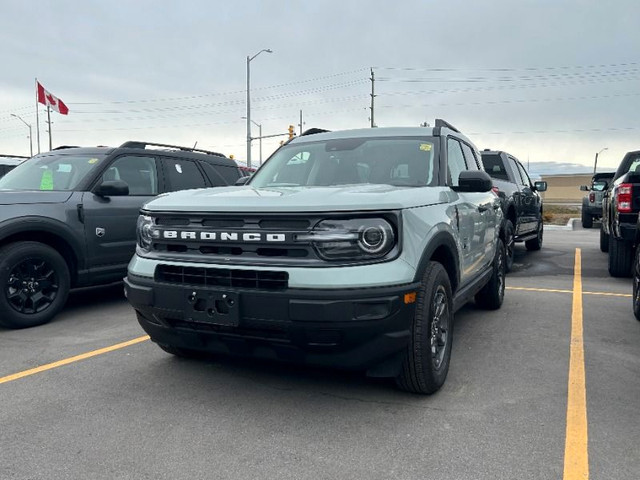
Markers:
544,80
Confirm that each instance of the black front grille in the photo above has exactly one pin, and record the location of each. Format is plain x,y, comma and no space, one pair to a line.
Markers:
222,277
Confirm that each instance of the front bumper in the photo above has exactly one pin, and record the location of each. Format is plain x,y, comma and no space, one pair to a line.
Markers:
346,328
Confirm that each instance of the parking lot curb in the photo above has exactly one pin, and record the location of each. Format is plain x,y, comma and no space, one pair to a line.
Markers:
568,226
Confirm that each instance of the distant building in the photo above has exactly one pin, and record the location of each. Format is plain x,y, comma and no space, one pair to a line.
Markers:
565,188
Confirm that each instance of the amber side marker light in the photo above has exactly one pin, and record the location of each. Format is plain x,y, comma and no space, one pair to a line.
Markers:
409,298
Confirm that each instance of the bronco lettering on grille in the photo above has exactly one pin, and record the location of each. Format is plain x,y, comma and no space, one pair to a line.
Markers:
223,236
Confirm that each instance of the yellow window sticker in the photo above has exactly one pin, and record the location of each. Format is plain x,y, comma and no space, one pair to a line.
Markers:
425,147
93,160
46,182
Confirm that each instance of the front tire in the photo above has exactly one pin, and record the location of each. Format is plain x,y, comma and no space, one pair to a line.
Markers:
426,361
587,220
636,285
510,244
492,294
35,284
536,243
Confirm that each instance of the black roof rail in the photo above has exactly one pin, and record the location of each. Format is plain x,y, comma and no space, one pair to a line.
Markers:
313,131
12,156
63,147
144,145
440,123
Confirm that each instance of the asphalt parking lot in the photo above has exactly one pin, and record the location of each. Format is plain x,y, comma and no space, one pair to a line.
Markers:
78,402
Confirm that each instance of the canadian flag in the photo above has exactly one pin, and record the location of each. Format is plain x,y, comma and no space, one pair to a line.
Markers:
46,98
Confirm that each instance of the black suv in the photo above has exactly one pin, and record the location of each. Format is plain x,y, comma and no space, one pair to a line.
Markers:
68,218
521,202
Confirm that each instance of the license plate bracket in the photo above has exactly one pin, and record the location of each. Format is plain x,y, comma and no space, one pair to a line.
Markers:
213,307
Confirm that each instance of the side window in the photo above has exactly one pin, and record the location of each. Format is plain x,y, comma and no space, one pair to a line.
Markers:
470,156
181,174
516,171
140,173
455,161
526,181
220,175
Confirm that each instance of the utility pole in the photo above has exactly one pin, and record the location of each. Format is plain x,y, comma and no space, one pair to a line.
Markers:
373,80
49,122
300,122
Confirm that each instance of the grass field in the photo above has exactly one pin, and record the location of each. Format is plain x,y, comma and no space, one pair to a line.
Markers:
555,214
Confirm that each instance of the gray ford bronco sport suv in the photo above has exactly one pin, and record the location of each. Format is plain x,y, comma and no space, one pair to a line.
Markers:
350,249
68,218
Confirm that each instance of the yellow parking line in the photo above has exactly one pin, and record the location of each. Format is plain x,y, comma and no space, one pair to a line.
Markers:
550,290
67,361
576,456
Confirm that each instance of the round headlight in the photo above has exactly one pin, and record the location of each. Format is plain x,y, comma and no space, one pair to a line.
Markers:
375,238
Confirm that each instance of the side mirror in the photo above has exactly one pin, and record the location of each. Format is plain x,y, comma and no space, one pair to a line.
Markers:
112,188
584,188
540,186
242,180
474,181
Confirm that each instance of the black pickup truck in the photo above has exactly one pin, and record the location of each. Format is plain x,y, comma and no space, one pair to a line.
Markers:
521,202
68,218
620,207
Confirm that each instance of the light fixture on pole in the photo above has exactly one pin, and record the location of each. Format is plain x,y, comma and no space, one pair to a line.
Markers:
30,140
259,125
249,102
595,163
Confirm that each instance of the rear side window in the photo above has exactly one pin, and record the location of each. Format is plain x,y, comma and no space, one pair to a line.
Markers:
470,156
182,174
455,162
494,166
220,175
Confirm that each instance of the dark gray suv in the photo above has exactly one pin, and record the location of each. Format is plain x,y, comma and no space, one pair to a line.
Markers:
68,218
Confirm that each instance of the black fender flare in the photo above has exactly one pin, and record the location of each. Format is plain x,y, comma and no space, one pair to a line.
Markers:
56,228
442,239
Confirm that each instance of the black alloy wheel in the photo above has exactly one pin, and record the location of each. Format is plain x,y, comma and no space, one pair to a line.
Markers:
439,327
35,284
32,286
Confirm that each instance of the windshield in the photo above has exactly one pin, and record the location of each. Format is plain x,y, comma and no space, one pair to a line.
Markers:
399,161
51,172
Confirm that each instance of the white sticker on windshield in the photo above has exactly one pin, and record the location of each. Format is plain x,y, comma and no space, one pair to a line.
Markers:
64,167
178,168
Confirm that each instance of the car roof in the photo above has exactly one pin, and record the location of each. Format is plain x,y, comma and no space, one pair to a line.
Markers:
217,159
11,160
378,132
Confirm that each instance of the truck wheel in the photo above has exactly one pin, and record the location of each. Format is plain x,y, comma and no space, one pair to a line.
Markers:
536,243
510,244
426,361
636,285
492,294
620,257
604,241
35,284
587,220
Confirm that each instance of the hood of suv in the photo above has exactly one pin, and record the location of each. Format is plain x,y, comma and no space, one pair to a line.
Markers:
22,197
298,199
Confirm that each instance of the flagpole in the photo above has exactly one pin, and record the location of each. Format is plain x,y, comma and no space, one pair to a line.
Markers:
49,122
37,117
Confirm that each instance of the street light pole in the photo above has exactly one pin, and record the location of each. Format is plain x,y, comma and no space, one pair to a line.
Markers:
259,125
30,139
249,102
595,163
